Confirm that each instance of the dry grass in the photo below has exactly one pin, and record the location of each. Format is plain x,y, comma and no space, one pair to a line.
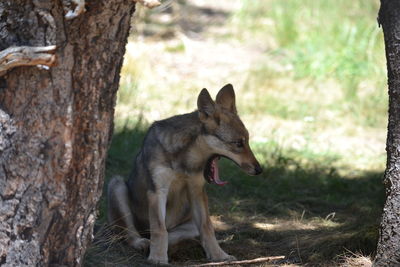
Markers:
355,260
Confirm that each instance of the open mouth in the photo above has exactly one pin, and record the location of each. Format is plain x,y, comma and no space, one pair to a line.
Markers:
211,172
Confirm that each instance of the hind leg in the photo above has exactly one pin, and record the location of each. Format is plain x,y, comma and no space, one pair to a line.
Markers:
120,214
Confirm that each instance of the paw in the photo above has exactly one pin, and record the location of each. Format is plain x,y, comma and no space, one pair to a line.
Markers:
142,244
230,258
157,260
223,257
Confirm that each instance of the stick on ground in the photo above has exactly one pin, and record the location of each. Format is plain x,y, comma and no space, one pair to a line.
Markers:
257,260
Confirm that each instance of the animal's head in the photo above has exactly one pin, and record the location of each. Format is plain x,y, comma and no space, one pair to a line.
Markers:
225,133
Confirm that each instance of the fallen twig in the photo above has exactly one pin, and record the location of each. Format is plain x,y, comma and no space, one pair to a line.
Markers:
257,260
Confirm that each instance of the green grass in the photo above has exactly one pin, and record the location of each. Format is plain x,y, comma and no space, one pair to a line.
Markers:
176,48
315,104
324,40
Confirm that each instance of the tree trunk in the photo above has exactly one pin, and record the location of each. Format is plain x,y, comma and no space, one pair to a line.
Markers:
388,250
55,127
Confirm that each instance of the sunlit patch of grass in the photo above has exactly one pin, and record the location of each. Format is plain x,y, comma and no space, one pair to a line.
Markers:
320,41
176,48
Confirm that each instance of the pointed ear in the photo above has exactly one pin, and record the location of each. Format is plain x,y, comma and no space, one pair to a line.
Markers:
205,104
226,98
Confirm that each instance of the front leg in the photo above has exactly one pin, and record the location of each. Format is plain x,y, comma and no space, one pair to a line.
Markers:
158,230
199,204
162,178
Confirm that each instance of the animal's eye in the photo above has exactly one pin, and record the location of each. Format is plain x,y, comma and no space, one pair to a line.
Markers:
239,143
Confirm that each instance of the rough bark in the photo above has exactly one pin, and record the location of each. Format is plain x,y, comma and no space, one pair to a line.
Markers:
388,250
55,127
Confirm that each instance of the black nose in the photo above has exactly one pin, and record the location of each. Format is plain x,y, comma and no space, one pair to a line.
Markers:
258,170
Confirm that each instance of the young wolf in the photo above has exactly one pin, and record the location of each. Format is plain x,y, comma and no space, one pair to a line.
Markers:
165,192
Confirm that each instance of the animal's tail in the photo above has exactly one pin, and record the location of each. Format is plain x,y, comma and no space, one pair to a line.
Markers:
120,214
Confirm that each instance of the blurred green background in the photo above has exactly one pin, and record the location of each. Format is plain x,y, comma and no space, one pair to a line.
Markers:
310,81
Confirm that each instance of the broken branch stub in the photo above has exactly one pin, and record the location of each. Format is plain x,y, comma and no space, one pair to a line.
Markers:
79,9
26,56
149,3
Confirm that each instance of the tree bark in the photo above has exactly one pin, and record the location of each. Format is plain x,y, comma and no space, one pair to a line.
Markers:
55,127
388,250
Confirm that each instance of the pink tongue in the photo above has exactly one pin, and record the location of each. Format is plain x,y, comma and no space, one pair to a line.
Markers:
215,173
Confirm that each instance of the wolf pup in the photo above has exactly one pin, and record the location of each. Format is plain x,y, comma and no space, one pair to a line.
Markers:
165,194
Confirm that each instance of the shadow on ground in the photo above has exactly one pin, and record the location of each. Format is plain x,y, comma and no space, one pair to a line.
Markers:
306,212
